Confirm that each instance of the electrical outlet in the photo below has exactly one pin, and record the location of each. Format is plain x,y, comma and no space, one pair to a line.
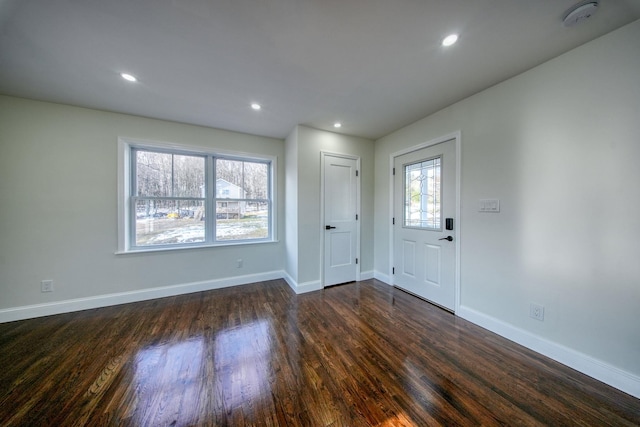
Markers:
239,263
536,311
46,286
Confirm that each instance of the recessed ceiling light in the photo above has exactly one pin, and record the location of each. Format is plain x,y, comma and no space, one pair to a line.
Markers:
449,40
256,106
128,77
337,125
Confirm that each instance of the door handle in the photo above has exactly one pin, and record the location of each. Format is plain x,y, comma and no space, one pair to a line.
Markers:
449,238
328,227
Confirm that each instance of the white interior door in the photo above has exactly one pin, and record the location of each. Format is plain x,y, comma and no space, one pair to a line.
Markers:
424,250
340,223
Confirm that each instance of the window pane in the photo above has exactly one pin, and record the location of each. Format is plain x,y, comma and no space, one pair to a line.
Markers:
169,175
229,179
256,180
422,194
242,220
188,176
163,222
237,179
153,174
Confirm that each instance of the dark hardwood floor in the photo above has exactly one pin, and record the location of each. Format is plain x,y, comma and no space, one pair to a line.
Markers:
361,354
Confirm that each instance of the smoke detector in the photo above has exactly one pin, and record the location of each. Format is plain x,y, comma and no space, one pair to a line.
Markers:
579,13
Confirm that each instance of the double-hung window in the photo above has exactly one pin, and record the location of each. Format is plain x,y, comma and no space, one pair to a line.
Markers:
175,197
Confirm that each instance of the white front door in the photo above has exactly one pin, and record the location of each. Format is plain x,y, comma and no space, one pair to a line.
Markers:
340,223
424,249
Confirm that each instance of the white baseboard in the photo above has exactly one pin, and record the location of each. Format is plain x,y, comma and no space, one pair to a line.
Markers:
601,371
316,285
77,304
301,288
382,277
366,275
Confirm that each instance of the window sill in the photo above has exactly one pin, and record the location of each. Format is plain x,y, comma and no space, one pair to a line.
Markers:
181,248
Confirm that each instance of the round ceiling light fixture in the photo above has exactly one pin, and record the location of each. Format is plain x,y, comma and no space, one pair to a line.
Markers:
256,106
337,125
579,13
449,40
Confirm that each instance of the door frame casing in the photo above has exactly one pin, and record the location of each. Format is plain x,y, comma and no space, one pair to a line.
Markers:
456,136
323,155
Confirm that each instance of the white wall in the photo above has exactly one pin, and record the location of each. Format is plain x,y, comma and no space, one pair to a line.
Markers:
58,215
560,147
291,205
309,143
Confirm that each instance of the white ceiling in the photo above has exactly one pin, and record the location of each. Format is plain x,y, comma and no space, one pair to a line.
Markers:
375,65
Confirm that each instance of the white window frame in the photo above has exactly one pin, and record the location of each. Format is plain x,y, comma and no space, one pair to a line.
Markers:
125,229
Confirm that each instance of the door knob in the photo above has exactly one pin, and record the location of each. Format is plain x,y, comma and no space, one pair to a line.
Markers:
328,227
449,238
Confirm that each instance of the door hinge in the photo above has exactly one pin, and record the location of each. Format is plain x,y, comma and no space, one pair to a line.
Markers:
356,217
356,172
393,221
394,171
393,270
356,260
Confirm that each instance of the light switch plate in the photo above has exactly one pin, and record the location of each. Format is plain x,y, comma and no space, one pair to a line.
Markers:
489,205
